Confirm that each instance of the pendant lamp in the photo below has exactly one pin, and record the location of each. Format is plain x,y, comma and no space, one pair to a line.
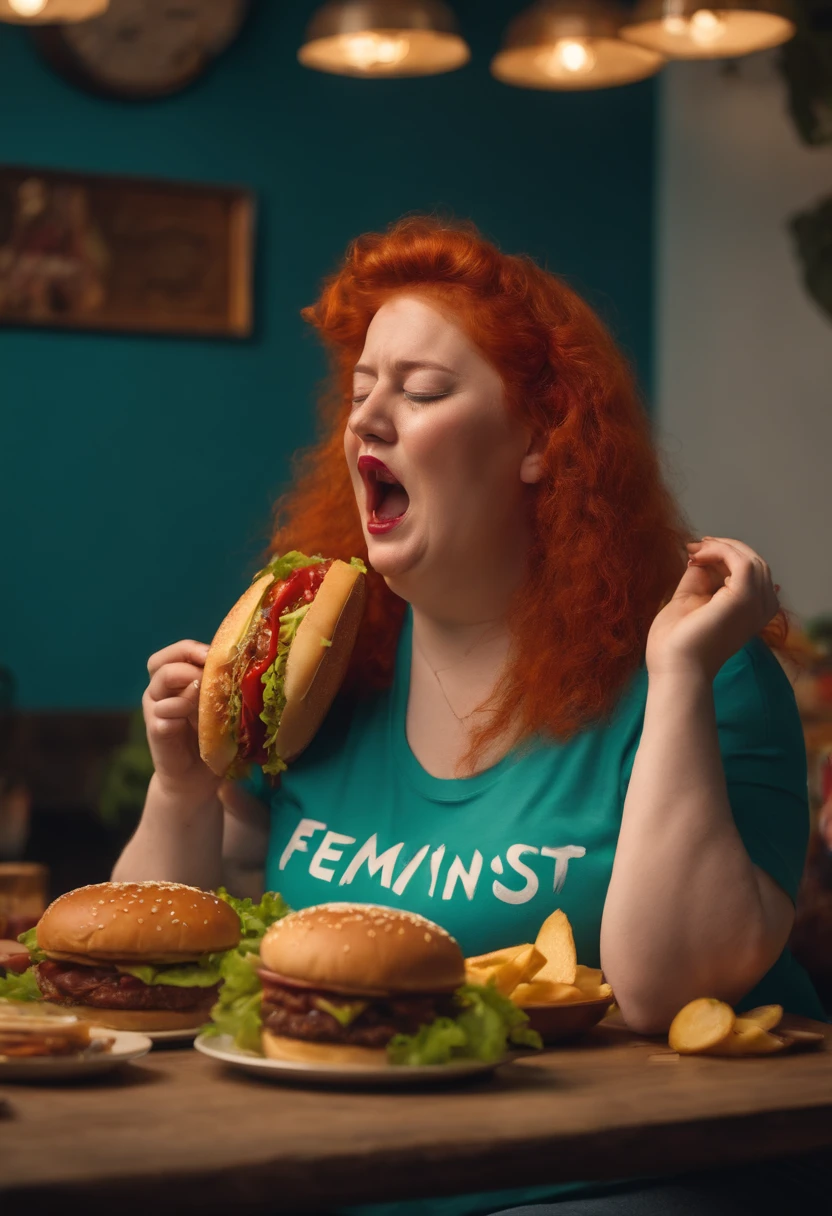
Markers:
689,29
384,38
571,44
50,12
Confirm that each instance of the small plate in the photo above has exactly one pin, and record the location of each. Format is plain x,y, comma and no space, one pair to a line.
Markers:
222,1048
563,1021
127,1046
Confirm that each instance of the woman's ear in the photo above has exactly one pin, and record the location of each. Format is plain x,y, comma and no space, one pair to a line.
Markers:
532,467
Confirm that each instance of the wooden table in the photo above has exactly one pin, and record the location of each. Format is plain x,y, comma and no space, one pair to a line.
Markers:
178,1132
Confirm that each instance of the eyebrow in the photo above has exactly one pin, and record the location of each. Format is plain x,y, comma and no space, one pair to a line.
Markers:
406,365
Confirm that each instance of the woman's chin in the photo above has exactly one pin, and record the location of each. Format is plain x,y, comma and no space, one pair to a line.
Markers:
389,557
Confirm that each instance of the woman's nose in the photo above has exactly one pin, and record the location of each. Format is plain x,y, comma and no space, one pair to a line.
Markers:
372,418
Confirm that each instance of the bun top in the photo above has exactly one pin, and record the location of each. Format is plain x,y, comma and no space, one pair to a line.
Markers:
151,921
365,949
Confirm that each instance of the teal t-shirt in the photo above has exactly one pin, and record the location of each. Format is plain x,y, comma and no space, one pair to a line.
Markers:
488,857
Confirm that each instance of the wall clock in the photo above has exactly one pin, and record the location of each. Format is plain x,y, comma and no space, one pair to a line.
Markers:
141,49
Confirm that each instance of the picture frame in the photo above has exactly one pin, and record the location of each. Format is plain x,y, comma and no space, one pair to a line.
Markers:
126,254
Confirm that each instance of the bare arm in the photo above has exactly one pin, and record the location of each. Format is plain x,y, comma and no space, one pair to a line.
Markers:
179,838
245,841
687,913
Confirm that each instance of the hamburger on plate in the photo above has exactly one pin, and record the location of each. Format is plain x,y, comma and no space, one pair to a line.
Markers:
277,661
134,955
349,984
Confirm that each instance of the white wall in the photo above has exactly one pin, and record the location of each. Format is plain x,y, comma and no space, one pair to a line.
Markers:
744,357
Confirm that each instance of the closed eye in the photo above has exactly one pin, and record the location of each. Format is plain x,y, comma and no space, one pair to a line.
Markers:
415,397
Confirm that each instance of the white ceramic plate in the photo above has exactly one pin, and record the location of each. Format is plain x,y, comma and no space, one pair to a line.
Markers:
127,1046
222,1048
171,1036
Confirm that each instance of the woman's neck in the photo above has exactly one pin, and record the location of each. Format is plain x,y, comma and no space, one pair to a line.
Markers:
455,668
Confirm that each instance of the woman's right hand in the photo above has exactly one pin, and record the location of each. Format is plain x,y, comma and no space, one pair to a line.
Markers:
170,705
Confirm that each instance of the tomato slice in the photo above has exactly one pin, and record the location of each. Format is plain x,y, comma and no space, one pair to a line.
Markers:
286,596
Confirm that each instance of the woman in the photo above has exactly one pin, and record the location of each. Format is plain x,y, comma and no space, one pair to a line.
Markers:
554,701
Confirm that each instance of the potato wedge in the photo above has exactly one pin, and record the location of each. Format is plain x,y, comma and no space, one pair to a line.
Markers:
544,992
766,1016
556,943
747,1039
700,1026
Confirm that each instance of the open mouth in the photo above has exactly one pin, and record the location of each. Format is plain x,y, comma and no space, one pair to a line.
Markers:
387,499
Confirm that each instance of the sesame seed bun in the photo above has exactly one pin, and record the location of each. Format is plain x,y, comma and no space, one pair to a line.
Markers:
159,922
363,949
216,745
315,667
301,1051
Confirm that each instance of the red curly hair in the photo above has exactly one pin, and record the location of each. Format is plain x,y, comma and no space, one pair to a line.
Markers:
608,538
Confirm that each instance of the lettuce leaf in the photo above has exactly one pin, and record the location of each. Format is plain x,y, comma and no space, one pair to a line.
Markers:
487,1024
20,987
202,974
282,567
274,697
255,919
237,1009
237,1012
29,939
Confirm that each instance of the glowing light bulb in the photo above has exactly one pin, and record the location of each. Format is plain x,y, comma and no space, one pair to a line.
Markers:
568,55
27,8
705,26
373,50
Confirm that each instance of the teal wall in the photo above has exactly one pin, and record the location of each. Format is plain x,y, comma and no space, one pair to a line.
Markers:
136,473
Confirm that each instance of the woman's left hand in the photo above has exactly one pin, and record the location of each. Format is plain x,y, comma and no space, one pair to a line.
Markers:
725,597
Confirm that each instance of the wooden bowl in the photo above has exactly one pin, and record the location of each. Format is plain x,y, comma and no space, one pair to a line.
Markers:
563,1021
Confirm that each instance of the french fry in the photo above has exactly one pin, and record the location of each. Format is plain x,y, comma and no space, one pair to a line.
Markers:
517,970
479,975
766,1016
557,945
588,977
700,1026
495,958
545,992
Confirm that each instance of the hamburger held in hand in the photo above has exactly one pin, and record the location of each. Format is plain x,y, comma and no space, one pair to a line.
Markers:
277,661
134,955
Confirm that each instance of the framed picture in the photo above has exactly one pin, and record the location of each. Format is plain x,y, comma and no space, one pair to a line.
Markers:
81,251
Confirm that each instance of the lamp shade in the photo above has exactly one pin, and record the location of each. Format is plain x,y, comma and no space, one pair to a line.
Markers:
571,44
378,38
50,12
690,29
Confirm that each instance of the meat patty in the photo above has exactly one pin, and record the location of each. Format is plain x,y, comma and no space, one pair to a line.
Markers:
106,988
293,1012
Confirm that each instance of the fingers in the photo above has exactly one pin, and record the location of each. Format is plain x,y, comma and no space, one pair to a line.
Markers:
746,570
725,544
176,679
186,651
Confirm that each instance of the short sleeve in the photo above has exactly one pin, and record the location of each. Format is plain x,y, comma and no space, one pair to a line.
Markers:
764,758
